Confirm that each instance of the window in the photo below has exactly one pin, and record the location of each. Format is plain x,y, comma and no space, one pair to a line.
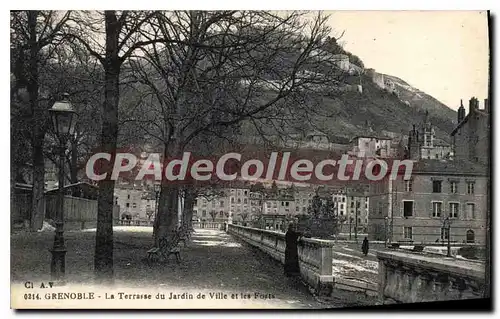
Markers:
128,196
436,186
245,201
408,185
232,200
239,200
453,210
287,204
134,205
453,187
221,203
436,209
204,213
470,211
469,236
221,214
407,208
352,204
408,232
444,233
470,187
437,155
343,199
246,193
128,205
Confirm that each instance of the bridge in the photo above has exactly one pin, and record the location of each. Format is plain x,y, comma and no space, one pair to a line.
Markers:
242,262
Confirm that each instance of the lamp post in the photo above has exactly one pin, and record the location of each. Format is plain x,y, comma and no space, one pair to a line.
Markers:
350,223
386,229
447,226
63,120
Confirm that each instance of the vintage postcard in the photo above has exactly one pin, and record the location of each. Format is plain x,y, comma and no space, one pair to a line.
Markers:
249,159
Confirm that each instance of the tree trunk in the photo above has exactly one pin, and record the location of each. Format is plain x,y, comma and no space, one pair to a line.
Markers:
169,199
73,167
188,208
38,134
103,259
168,212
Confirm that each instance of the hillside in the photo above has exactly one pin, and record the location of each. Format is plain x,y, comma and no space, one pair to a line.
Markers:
343,115
385,113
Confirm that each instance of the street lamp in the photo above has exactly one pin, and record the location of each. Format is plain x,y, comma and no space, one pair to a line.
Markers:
447,226
63,120
386,230
350,223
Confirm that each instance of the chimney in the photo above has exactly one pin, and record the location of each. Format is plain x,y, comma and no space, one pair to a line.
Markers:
461,112
487,105
473,102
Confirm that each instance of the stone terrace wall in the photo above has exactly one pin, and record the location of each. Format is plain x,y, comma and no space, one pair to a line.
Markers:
408,278
315,255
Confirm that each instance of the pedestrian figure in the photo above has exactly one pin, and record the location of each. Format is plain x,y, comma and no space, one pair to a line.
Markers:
365,247
291,252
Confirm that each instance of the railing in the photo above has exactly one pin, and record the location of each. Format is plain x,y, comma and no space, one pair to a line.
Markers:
408,278
315,255
134,222
208,225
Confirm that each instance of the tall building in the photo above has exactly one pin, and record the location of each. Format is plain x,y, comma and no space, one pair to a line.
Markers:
471,137
423,144
371,146
415,210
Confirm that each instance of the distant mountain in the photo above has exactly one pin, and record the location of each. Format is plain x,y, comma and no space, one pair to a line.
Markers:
381,112
421,99
344,114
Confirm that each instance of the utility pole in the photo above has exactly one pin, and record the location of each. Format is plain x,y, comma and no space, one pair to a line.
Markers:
393,200
356,222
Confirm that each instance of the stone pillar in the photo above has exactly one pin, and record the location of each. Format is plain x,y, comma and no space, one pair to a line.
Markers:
325,285
381,280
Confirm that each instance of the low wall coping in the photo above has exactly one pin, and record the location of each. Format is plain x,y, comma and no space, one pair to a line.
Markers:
444,264
313,241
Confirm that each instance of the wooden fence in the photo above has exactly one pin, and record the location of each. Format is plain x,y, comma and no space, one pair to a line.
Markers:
79,213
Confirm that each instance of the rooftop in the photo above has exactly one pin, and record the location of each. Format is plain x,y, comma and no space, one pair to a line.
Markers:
439,166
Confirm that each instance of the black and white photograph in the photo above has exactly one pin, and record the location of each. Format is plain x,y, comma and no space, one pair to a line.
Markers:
250,159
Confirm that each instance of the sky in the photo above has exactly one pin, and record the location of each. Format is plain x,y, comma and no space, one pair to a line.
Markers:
443,53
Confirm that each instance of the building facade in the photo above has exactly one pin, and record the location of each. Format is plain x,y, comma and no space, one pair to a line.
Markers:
371,146
415,210
423,144
471,137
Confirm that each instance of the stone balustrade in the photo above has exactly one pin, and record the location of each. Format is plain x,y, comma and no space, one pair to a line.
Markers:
315,255
408,278
208,225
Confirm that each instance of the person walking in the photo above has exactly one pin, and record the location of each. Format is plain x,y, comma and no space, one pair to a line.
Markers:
364,246
291,267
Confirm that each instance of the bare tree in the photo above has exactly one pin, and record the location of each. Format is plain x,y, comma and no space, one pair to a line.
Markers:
122,37
213,214
34,37
219,71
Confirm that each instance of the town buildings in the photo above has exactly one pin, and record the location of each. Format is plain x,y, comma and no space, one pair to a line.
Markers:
415,210
423,144
371,146
471,137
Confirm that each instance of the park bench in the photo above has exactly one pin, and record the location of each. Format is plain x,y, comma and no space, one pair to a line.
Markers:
165,249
